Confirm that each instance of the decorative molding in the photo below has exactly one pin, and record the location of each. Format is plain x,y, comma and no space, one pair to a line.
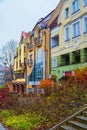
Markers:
76,44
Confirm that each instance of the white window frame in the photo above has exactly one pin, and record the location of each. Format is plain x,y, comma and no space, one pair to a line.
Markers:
85,28
79,30
75,10
54,62
67,38
85,4
66,16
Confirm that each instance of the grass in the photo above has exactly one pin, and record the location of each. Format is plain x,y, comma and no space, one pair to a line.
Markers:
25,121
2,86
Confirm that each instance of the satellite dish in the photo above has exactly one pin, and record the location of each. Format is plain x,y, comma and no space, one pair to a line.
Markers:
76,44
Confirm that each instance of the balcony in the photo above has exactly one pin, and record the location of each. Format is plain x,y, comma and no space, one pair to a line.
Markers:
30,46
38,42
30,63
19,76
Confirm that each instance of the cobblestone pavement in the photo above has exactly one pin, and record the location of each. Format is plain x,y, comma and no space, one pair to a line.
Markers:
1,127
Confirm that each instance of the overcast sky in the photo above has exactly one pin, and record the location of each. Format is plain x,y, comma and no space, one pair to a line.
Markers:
21,15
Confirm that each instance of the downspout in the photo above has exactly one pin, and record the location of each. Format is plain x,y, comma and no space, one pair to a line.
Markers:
45,55
34,62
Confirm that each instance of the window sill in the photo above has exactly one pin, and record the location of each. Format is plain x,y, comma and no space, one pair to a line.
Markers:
54,46
76,12
53,68
76,36
85,5
85,33
67,40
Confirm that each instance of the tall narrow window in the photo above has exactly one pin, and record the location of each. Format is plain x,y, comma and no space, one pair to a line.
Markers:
66,12
67,34
30,59
75,6
85,24
54,62
40,37
85,2
20,63
76,29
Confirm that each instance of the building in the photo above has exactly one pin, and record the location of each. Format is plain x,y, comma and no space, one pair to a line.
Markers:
2,75
38,53
19,82
68,26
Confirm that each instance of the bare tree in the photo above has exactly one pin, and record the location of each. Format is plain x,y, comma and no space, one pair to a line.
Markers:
7,55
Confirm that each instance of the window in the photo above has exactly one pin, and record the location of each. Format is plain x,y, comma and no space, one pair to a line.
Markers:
39,54
20,63
16,64
31,56
85,24
55,41
76,29
85,2
54,62
77,56
65,59
40,37
75,6
66,12
67,34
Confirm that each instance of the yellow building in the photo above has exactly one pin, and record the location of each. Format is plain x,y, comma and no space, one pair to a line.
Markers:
68,37
38,53
19,82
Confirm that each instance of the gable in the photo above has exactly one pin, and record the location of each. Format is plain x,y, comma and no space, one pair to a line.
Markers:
56,13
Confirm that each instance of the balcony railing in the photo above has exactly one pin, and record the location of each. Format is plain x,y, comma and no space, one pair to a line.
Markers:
30,46
38,42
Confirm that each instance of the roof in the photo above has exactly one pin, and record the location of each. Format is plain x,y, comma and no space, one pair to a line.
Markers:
56,13
42,22
54,23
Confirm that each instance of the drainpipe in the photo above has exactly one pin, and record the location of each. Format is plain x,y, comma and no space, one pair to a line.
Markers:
34,60
45,53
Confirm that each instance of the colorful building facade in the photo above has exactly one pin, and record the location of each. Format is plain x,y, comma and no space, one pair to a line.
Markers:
68,26
19,82
38,53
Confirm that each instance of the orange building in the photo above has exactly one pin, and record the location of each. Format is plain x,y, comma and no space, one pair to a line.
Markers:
38,53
